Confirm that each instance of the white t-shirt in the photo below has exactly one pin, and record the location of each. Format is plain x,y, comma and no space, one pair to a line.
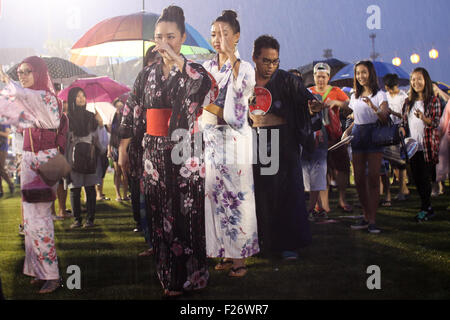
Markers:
416,126
396,104
362,112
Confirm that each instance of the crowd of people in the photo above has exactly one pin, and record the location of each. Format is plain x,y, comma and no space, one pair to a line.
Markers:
218,197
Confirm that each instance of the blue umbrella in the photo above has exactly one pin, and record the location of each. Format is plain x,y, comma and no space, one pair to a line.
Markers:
443,86
193,37
344,78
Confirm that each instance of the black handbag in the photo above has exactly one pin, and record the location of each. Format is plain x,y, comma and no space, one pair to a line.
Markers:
84,158
384,135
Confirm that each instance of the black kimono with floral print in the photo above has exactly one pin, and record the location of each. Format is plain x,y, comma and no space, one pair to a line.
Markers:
174,191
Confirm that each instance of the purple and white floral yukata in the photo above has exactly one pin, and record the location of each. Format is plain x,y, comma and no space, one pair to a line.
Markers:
230,214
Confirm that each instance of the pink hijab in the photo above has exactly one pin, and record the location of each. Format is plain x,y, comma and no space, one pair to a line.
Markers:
42,80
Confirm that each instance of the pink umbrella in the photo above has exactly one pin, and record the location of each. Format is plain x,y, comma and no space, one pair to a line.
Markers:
100,92
99,89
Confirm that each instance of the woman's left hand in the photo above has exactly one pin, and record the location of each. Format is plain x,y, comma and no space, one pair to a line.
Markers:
3,76
369,102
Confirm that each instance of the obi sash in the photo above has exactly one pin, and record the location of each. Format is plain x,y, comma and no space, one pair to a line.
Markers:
158,121
217,106
43,139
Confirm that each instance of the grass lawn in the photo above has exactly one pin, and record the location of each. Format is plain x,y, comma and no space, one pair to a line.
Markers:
414,258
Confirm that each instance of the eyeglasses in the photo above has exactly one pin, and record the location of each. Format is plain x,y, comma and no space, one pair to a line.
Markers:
268,62
24,73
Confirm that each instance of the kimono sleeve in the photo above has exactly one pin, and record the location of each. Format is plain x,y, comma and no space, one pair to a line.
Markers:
193,85
239,91
198,83
301,122
125,129
26,108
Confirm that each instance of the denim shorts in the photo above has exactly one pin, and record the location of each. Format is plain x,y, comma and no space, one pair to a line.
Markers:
362,139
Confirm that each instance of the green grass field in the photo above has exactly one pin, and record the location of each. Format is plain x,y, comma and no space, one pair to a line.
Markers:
414,259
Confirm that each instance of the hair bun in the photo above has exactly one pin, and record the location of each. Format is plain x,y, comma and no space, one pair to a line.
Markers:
230,17
173,12
229,14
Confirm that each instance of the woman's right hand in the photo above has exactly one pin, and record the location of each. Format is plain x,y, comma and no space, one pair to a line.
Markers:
347,132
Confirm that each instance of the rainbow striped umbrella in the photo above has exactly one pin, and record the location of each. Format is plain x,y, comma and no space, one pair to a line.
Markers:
130,36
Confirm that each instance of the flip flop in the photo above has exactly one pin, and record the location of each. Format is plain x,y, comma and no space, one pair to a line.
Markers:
347,208
224,265
234,272
386,203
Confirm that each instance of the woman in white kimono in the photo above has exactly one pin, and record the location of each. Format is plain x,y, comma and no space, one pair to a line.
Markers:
34,107
230,214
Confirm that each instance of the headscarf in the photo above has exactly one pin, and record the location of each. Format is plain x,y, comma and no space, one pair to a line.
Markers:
42,79
81,121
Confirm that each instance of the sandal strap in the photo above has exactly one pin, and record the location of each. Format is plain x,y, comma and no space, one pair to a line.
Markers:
239,268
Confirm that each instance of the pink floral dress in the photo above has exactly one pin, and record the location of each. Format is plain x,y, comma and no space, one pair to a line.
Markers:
27,108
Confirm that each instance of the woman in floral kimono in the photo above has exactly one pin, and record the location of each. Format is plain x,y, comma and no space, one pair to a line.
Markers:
230,214
35,108
169,94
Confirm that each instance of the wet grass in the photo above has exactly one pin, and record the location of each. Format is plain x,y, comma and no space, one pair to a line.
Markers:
414,258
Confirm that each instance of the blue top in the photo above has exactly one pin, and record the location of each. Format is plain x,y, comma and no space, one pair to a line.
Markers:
3,140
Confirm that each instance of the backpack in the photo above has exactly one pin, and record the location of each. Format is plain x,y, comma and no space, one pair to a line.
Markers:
84,157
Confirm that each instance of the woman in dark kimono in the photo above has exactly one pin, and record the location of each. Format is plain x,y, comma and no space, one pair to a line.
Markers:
168,95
